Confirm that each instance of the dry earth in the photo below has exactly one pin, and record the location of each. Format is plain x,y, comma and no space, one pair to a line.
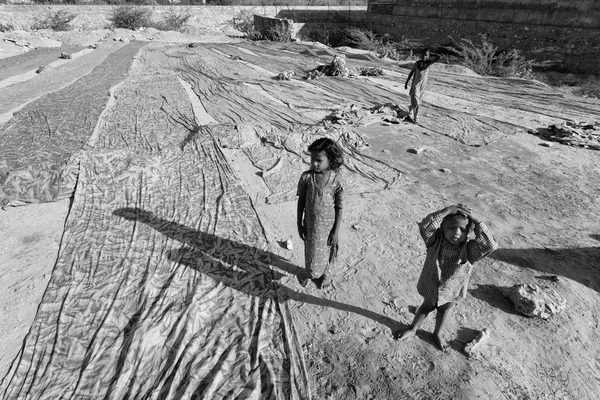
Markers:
542,203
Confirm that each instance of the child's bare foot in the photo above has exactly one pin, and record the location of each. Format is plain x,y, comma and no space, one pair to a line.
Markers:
440,342
407,334
323,282
303,280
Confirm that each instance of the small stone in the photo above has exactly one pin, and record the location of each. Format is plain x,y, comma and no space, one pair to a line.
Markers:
386,123
474,347
446,171
289,245
398,302
415,150
40,69
533,301
92,46
356,227
65,56
385,151
546,144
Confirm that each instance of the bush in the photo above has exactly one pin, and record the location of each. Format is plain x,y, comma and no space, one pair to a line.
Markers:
130,17
244,22
384,46
174,19
485,59
6,27
57,21
280,33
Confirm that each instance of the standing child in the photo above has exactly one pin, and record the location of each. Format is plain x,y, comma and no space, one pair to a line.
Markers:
320,201
448,264
419,73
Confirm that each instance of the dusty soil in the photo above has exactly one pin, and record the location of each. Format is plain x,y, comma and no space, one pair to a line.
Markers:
542,203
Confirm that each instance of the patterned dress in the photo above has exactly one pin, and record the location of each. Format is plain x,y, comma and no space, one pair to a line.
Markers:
448,266
418,88
319,216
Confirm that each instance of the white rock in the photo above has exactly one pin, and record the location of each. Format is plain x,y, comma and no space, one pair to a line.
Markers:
474,347
533,301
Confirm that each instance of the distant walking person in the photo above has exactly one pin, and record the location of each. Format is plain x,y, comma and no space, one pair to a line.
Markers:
320,202
419,73
448,264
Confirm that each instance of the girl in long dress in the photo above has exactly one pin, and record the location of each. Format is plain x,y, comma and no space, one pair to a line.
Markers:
320,202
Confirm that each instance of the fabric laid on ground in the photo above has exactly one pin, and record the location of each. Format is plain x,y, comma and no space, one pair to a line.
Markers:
586,135
510,92
275,128
52,79
45,133
162,289
473,130
32,59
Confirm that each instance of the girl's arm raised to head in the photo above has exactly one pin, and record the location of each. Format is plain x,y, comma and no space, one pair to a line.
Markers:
483,245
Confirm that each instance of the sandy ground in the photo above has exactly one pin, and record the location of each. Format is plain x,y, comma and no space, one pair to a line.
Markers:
542,205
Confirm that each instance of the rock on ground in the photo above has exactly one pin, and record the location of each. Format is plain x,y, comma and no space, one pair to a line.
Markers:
533,301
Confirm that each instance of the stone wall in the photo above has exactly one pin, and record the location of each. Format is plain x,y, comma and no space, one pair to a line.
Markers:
564,32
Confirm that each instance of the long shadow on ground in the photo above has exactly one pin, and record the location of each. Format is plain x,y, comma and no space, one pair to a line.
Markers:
199,254
579,264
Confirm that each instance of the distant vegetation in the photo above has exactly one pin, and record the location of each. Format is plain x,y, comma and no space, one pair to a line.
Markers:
57,21
278,3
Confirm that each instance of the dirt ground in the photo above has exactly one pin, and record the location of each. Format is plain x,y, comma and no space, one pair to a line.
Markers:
541,203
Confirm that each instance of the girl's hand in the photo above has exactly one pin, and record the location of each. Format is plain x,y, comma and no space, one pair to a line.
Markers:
302,232
333,239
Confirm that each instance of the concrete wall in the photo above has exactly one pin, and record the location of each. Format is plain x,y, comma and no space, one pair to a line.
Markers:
565,32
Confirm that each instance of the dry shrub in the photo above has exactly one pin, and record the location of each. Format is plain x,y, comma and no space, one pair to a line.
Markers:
280,33
384,46
174,19
485,59
6,27
244,22
57,21
130,17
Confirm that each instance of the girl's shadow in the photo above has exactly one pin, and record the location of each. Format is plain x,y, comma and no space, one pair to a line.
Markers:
237,265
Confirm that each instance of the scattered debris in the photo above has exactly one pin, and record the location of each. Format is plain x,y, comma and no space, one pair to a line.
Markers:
40,69
371,71
285,75
473,348
572,133
236,57
533,301
416,150
445,170
191,45
337,67
65,56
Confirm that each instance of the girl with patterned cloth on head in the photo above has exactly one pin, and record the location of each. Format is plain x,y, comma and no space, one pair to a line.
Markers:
448,264
320,202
